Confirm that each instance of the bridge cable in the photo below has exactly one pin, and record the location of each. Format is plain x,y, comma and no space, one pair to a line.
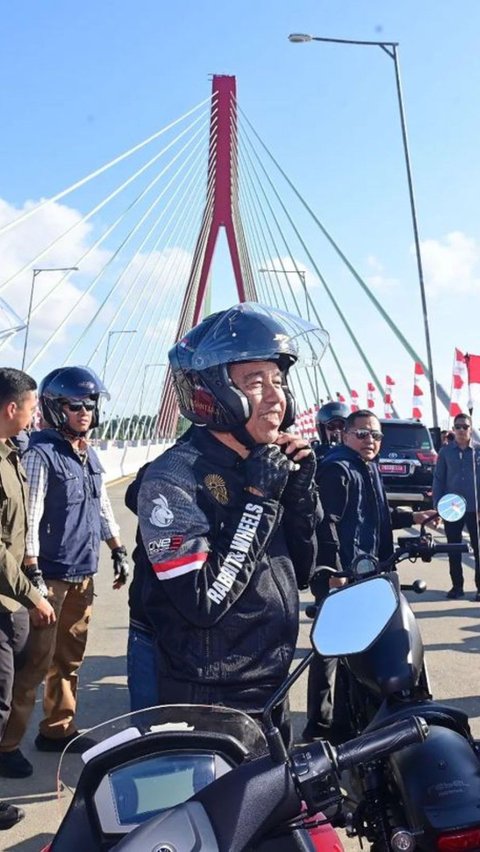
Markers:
174,294
324,283
413,354
117,251
132,260
285,280
102,169
93,211
253,185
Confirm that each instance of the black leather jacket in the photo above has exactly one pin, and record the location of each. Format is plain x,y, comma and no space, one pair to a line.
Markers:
225,604
357,518
142,568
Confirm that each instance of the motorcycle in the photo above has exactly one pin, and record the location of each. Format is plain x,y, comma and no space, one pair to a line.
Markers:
425,796
183,778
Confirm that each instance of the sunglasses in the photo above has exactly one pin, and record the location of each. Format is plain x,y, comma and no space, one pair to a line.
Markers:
464,426
87,404
361,434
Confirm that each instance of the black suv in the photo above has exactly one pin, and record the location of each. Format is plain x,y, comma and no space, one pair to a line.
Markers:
406,461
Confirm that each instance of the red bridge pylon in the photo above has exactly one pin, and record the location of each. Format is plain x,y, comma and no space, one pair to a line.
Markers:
222,210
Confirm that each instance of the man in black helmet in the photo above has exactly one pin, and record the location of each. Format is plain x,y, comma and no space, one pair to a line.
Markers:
69,513
228,515
330,421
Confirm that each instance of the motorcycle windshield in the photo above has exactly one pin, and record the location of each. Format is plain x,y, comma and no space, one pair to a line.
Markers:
155,758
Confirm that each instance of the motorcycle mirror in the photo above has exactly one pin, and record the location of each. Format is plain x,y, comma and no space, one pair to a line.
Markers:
363,565
451,507
350,619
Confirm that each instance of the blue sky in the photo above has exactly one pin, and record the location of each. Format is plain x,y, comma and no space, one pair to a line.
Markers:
82,83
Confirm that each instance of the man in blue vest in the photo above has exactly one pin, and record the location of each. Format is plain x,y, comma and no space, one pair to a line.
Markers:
69,513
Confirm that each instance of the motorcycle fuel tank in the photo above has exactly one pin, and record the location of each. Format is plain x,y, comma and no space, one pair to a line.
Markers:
439,784
394,662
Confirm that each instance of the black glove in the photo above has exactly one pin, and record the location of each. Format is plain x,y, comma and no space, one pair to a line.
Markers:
320,583
267,470
36,578
121,568
301,479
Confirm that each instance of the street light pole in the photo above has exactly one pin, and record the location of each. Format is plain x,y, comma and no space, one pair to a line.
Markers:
30,303
110,333
303,278
390,48
145,368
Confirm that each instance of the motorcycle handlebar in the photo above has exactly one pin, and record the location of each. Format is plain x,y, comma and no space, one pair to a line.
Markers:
422,547
450,548
377,744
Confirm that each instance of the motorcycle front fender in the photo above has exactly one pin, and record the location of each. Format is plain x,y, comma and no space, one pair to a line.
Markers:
439,784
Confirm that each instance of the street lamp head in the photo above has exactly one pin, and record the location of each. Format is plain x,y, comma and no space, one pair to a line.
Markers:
298,38
36,270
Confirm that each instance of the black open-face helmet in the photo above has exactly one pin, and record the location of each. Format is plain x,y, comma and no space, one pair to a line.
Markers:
68,384
247,332
328,413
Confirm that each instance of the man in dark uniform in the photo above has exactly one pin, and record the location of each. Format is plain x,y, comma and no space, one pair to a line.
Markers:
228,515
357,519
330,422
18,593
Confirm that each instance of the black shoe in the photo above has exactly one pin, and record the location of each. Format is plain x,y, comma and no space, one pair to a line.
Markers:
13,764
49,744
455,594
9,815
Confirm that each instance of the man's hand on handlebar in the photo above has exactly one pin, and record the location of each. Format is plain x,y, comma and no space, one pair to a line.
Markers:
335,582
429,517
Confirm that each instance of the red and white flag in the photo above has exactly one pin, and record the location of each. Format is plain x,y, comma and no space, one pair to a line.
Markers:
299,423
307,424
371,395
459,394
340,397
419,387
473,371
354,406
387,399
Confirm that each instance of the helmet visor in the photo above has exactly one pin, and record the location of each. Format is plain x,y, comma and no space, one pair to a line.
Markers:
255,332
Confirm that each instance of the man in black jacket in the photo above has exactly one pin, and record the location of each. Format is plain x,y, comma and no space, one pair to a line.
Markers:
357,519
141,658
228,515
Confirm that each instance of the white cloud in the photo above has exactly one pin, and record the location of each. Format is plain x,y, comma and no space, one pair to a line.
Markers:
377,279
158,277
23,246
452,263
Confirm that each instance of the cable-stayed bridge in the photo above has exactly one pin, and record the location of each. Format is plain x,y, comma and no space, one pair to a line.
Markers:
122,264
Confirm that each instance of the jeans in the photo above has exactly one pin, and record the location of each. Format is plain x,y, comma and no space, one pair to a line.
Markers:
142,675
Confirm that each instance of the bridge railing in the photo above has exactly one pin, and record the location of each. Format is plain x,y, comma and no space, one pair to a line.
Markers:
124,458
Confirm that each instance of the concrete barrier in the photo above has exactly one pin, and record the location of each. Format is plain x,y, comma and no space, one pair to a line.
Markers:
122,458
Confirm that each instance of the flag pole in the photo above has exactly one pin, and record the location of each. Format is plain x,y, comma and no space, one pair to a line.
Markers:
474,449
470,400
451,387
